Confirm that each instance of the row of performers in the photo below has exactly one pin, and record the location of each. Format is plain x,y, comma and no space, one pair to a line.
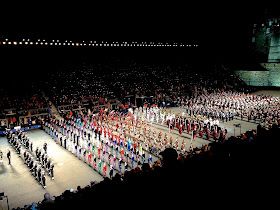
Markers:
116,133
197,128
119,138
37,168
105,149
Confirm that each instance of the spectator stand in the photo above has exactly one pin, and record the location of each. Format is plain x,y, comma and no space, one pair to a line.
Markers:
24,129
11,116
32,116
113,104
3,122
143,100
95,106
35,119
71,107
3,126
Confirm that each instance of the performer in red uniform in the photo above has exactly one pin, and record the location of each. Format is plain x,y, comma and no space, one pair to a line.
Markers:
99,150
105,132
104,169
180,129
122,153
89,157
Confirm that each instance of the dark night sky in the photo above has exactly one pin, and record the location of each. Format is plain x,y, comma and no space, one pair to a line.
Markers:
212,25
223,31
173,22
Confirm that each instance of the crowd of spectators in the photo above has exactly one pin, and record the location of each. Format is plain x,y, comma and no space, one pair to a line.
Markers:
166,83
13,107
33,101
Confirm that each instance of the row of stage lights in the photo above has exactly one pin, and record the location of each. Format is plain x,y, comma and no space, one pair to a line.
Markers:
93,43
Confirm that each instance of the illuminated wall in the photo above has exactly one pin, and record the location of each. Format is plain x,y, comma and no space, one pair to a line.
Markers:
271,77
265,43
274,73
274,48
254,78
